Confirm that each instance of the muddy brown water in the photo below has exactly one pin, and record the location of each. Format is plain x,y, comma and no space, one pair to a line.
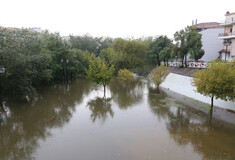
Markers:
133,122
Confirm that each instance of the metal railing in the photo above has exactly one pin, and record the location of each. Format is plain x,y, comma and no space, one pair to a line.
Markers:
225,34
189,64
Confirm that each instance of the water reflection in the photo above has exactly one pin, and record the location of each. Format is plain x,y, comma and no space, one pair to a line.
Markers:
158,103
127,94
133,133
100,108
213,139
26,123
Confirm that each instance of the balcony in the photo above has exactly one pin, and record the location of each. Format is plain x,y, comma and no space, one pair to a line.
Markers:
227,23
226,35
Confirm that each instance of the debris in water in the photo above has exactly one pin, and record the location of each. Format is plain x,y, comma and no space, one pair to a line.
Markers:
50,119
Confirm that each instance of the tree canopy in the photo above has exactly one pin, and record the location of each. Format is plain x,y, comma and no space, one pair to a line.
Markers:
99,71
33,59
157,46
217,81
188,41
159,74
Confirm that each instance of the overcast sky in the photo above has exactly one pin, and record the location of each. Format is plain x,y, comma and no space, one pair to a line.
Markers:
114,18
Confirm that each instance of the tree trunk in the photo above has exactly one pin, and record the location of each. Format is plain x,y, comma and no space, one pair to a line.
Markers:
182,61
185,60
212,98
104,89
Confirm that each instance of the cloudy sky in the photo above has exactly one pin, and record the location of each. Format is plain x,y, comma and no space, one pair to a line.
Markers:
115,18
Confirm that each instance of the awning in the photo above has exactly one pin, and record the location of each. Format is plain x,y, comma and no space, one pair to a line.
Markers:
224,51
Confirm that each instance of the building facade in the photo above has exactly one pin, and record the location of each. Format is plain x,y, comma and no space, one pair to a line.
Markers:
211,44
228,37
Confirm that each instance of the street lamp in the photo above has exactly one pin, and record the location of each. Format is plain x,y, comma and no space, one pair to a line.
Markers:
65,67
226,43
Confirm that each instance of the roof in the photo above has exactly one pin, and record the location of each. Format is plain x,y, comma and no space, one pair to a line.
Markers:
208,25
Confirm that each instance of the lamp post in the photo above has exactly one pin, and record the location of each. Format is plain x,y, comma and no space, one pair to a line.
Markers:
64,63
226,43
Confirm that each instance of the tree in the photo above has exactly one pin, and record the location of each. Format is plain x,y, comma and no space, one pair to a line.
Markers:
217,81
156,47
159,74
166,54
125,75
25,60
195,44
99,72
84,43
89,43
128,54
108,55
32,59
189,42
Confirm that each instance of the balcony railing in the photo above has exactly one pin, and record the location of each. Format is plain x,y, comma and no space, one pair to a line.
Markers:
228,22
226,34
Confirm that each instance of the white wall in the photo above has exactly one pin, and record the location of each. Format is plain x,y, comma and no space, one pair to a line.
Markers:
182,85
232,50
211,44
230,18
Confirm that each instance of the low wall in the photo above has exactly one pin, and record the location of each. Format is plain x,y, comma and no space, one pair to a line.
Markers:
182,85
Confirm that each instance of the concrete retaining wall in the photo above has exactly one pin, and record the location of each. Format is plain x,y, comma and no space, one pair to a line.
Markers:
182,85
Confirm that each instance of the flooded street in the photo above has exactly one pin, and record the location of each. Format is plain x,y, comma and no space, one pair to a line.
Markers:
133,122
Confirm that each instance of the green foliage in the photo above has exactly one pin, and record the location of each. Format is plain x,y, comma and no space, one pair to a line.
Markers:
99,72
195,44
218,81
188,41
25,60
128,54
58,49
159,74
166,53
146,40
32,59
90,44
125,75
108,55
157,51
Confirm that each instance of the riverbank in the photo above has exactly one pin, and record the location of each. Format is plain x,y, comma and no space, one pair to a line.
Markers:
179,81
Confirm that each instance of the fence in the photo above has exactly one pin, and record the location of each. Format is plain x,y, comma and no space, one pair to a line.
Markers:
190,64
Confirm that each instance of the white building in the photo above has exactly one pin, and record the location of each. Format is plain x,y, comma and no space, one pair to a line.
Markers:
36,29
228,37
211,44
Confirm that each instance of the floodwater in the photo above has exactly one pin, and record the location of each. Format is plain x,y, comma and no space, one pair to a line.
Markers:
133,122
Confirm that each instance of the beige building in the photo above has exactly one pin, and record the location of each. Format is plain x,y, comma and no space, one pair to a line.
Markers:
228,37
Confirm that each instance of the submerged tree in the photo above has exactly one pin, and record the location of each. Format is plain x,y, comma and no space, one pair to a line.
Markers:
217,81
124,75
99,72
159,74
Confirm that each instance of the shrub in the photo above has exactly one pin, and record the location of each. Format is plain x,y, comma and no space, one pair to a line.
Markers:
159,74
125,75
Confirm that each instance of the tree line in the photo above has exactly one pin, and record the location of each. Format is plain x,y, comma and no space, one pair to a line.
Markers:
33,59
